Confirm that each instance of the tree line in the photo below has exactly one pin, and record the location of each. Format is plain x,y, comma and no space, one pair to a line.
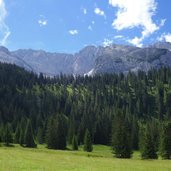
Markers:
127,111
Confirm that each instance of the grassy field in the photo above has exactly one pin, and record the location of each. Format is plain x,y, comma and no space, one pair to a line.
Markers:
101,159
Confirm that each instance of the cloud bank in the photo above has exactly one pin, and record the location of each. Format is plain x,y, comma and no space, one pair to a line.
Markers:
165,37
136,14
107,42
4,29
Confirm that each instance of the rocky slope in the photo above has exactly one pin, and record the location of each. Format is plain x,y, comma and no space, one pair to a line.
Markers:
91,60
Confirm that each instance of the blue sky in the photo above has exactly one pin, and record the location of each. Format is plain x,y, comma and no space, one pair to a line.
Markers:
69,25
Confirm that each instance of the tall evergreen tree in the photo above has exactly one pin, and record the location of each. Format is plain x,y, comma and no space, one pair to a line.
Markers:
88,142
21,139
121,136
148,148
165,142
160,101
17,135
57,132
28,137
40,135
134,133
22,131
7,135
71,131
74,143
168,106
1,132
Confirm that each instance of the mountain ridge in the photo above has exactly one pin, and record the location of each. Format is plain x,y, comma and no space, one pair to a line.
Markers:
91,59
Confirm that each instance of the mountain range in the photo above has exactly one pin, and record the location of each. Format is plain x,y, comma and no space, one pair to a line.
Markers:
91,59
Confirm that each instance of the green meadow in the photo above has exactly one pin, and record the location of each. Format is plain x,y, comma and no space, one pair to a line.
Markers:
101,159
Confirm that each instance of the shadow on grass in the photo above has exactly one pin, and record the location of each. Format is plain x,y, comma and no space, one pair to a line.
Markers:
8,145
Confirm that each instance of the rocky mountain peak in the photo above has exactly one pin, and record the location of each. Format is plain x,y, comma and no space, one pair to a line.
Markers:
4,50
91,59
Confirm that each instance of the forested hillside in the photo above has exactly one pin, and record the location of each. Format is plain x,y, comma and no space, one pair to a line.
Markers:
128,112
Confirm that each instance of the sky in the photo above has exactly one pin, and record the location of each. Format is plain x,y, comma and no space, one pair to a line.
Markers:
70,25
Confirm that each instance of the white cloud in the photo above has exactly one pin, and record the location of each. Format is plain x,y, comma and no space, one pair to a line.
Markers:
98,11
4,40
90,28
42,22
162,22
165,37
4,29
73,32
85,11
136,41
107,42
118,37
136,13
168,37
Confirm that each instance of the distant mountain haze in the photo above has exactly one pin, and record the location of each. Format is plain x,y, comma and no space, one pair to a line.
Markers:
91,60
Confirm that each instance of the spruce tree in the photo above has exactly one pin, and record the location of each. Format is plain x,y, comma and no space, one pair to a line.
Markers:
134,133
22,130
57,132
49,133
165,142
160,98
74,143
40,136
17,135
168,106
28,137
1,132
7,135
71,131
21,139
88,142
121,136
148,146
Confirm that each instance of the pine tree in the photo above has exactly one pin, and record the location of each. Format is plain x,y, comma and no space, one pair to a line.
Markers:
134,133
160,98
74,143
56,132
49,133
22,131
7,135
1,132
165,142
21,139
17,135
71,131
40,137
121,136
148,148
88,142
28,137
168,106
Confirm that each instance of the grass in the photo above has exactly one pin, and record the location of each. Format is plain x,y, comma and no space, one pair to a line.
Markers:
101,159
